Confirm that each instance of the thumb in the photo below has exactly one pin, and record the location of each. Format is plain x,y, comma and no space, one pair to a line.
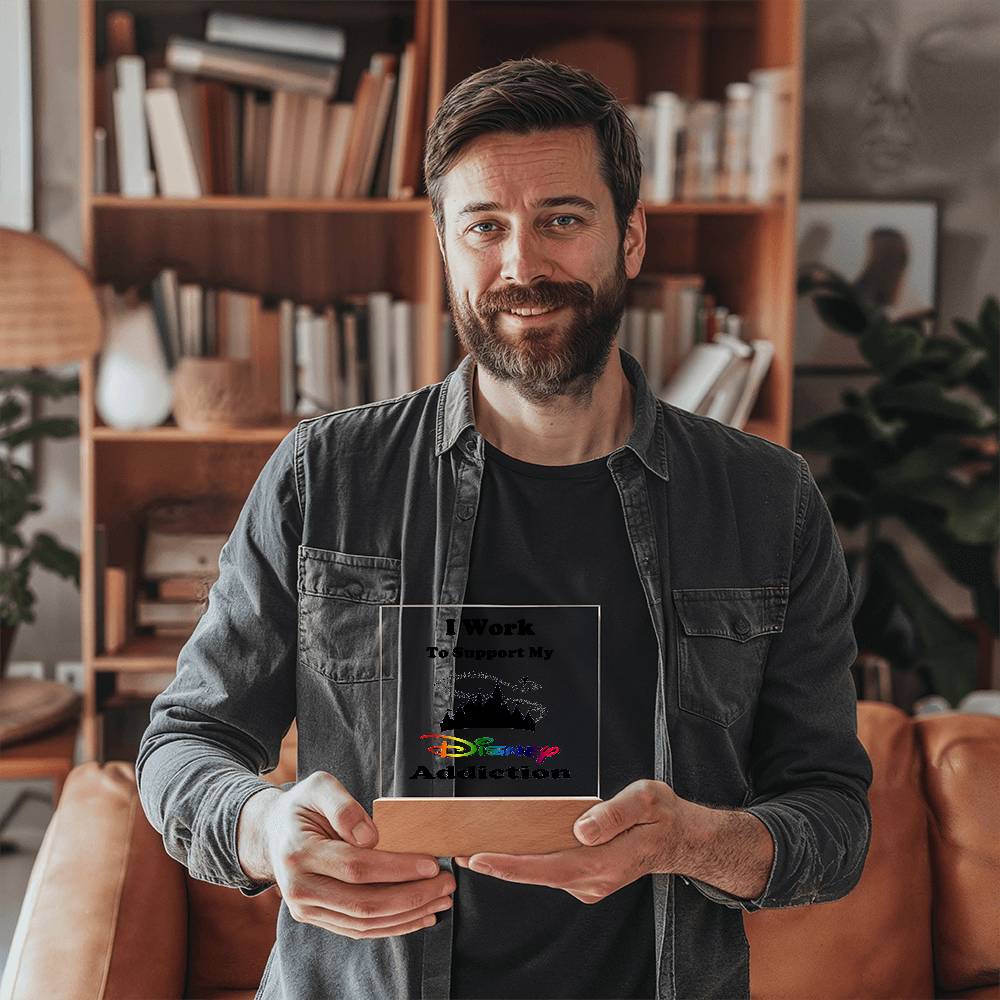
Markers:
341,810
604,821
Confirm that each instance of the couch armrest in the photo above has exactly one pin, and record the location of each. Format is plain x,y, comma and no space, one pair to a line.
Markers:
105,912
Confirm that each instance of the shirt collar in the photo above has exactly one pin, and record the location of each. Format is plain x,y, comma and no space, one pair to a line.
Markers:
647,440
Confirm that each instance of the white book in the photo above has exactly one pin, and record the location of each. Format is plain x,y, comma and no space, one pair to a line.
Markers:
655,348
763,353
720,403
380,343
665,116
341,115
305,363
176,171
769,129
320,376
136,180
696,375
402,345
288,375
276,35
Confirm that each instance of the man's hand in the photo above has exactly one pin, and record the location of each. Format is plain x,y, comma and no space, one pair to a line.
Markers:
638,831
316,841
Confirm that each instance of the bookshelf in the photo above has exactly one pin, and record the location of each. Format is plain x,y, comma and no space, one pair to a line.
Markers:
312,250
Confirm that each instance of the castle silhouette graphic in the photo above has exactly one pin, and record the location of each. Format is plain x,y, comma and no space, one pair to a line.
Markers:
493,712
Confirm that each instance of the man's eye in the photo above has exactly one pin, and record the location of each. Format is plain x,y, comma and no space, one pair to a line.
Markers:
571,217
473,228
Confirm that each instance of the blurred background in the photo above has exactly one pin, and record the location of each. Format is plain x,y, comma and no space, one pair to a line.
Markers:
822,187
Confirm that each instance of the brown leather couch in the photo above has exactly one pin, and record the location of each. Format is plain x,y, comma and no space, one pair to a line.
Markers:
109,914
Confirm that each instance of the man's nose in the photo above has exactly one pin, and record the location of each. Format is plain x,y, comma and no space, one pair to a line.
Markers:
525,257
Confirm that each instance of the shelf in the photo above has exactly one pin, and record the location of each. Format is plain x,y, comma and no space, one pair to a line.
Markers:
220,203
142,653
226,203
171,433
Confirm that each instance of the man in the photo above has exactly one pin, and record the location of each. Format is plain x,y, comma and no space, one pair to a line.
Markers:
541,470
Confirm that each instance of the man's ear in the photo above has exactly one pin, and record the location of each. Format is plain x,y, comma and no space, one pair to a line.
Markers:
635,240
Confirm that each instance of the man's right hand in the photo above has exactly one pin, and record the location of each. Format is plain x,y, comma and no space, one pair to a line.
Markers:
310,841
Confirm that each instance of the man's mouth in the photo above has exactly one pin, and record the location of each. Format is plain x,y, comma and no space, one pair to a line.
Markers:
528,314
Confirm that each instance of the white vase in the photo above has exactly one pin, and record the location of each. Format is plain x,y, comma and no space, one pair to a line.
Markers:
134,388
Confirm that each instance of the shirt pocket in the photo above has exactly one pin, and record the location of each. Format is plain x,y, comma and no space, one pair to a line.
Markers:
722,645
338,618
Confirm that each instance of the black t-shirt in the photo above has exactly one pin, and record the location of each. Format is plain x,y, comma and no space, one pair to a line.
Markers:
556,535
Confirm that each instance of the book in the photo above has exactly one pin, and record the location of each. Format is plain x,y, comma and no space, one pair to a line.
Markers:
116,607
696,375
176,172
252,67
760,363
132,139
298,38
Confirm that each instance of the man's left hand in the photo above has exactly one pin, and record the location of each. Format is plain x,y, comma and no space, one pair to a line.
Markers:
638,831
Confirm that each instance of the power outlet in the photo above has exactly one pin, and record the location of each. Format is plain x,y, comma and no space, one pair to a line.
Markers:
27,668
71,673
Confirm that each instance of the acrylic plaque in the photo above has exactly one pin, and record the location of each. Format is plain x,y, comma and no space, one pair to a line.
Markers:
490,726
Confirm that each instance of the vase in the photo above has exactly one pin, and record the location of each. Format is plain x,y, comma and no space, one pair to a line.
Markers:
134,389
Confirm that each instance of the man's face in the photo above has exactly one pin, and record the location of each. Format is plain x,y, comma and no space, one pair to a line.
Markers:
550,242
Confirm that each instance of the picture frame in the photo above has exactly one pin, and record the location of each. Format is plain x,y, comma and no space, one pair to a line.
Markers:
889,246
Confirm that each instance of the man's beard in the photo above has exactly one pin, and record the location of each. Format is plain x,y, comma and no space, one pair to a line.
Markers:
562,357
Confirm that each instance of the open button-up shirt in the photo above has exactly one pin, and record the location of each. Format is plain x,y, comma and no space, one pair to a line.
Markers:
747,591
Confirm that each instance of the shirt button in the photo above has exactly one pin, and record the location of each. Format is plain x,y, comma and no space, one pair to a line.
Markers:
354,590
465,511
742,627
470,447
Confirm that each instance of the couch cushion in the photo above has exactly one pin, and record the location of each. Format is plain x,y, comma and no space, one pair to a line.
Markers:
876,941
962,784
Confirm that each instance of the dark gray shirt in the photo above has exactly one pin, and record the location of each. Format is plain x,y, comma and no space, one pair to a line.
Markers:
747,591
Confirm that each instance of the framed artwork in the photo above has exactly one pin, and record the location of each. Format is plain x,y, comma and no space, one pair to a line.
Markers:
886,249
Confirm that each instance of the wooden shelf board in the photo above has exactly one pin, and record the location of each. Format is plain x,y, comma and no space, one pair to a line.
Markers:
169,432
216,203
245,203
142,653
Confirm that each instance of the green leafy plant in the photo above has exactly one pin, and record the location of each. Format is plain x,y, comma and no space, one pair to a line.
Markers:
920,445
20,554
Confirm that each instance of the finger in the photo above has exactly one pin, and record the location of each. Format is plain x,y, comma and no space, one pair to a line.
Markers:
347,817
558,869
337,859
634,804
462,861
395,931
345,921
373,900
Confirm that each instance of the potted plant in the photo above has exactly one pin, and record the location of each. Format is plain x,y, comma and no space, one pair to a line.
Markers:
19,552
920,445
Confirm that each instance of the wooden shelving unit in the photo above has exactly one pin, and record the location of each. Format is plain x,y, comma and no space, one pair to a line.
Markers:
313,251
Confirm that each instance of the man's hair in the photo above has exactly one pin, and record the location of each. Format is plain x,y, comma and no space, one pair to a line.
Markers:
534,95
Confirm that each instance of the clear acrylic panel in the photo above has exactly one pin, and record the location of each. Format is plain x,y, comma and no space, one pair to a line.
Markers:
489,700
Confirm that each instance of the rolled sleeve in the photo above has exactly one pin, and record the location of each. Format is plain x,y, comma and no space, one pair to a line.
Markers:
810,772
218,725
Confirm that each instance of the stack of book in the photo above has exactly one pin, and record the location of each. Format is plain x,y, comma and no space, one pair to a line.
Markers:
255,108
702,150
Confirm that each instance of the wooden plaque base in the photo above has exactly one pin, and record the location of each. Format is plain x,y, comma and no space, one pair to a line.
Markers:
446,827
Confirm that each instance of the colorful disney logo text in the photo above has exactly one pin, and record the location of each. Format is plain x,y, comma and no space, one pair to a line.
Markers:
455,746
